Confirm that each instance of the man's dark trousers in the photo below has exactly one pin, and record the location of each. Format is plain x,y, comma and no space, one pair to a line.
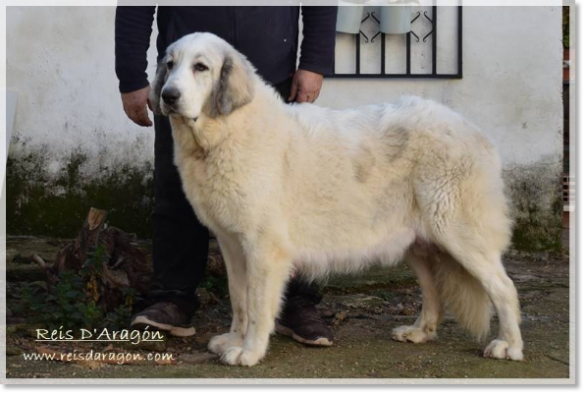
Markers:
180,241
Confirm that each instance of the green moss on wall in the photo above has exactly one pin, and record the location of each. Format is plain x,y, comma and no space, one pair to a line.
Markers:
39,204
537,201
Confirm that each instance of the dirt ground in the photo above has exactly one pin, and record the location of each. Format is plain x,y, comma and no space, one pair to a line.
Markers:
362,312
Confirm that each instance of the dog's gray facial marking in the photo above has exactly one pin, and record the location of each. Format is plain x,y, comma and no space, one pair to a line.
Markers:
157,86
215,105
232,90
224,106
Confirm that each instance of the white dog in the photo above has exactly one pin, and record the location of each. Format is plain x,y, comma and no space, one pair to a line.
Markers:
299,188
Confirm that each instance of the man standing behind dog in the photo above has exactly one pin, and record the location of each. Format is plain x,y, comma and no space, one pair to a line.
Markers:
268,36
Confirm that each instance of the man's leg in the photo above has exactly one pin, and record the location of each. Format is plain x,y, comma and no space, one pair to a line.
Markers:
180,245
299,318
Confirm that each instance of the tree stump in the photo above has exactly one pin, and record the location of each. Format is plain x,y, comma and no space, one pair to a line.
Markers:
126,265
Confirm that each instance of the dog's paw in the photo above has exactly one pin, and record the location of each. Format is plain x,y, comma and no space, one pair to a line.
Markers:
240,356
221,343
412,334
500,349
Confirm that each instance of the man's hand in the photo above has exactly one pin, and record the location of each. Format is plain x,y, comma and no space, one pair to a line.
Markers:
135,106
306,86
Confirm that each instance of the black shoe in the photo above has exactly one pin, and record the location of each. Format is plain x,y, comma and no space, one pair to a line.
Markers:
166,317
305,325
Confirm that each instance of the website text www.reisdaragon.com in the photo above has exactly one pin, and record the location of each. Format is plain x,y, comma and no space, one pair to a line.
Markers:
110,357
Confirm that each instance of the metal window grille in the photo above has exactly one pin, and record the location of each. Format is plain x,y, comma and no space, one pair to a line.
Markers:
431,34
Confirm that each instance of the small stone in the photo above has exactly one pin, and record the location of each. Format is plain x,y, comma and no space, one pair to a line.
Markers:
341,316
410,310
327,314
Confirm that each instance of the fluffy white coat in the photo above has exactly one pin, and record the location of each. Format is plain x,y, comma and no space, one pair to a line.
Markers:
305,189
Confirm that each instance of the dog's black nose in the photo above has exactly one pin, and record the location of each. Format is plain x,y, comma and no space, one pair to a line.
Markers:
171,95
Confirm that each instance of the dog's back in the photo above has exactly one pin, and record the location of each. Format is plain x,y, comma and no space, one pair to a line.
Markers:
374,168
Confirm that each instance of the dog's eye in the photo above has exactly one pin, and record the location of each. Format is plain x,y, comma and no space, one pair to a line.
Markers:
170,64
200,67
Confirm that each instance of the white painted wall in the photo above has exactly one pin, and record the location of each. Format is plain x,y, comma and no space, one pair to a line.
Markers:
61,63
60,60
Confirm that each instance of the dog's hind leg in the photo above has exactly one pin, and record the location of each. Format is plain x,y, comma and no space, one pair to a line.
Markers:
486,267
267,271
464,208
235,266
424,329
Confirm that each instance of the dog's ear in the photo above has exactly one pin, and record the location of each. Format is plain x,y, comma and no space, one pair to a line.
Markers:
234,87
157,86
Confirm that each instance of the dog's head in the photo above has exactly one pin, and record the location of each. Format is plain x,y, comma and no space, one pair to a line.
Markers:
201,73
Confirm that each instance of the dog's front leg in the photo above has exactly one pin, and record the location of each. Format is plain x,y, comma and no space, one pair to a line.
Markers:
235,266
267,271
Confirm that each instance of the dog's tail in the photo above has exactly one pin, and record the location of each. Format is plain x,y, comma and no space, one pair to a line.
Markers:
463,296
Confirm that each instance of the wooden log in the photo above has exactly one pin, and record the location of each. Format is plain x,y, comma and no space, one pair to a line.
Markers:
126,265
72,256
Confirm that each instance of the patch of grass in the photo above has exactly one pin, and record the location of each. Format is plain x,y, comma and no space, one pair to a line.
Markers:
216,285
75,301
39,204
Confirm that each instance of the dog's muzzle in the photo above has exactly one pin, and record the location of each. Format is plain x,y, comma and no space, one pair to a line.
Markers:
170,95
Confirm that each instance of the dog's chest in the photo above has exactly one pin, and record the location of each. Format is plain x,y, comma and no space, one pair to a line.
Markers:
213,188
